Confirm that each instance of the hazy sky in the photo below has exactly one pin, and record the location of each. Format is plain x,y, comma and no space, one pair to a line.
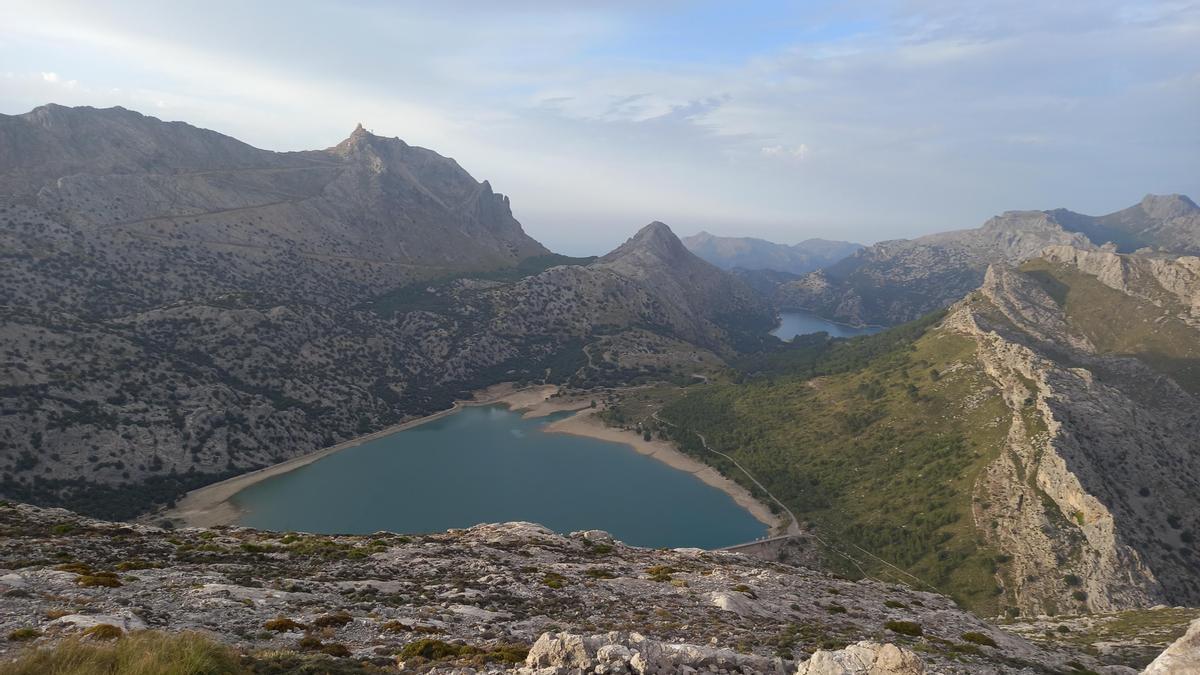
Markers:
784,120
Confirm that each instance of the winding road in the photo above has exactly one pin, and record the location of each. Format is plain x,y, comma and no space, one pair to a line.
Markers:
793,528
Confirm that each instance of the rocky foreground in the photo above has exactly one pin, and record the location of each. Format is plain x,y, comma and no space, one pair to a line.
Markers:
503,597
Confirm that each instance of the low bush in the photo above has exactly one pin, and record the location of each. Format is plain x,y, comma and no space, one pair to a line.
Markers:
904,627
660,573
104,631
335,649
336,620
434,650
101,579
895,604
23,634
283,624
979,639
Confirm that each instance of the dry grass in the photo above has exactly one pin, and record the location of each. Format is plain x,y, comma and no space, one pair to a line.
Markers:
141,653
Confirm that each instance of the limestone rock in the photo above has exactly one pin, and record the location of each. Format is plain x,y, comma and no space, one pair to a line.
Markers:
1181,658
864,658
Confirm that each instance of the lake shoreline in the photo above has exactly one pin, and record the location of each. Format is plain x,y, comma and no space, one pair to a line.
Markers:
585,423
212,505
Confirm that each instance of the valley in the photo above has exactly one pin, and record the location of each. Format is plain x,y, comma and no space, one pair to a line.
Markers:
241,387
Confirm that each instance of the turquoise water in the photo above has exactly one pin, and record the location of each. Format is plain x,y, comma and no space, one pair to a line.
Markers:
487,464
795,322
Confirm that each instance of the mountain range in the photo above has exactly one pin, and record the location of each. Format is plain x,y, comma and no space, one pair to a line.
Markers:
896,281
181,306
748,253
1003,481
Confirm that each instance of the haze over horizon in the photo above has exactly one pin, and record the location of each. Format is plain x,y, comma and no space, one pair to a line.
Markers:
782,121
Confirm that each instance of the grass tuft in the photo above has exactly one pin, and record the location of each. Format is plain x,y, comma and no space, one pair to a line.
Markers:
141,653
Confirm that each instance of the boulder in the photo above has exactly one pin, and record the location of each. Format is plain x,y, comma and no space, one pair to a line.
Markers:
864,658
1181,658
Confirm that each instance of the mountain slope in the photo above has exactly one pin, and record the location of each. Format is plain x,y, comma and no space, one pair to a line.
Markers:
371,210
180,307
658,259
896,281
1030,451
758,254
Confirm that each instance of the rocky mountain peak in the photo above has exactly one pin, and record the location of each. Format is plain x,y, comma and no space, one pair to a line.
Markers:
655,239
1167,206
358,139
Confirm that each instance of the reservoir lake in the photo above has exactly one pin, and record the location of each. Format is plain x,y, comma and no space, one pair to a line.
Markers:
488,464
795,322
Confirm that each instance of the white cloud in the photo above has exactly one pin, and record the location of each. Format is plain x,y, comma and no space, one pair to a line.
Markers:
50,77
786,151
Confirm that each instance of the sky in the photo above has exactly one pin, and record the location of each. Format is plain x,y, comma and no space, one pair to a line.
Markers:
782,120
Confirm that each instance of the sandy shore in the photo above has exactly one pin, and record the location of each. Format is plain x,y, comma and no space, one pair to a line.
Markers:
210,505
585,423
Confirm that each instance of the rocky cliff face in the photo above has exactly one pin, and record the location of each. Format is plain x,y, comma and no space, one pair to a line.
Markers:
504,597
1091,495
181,306
896,281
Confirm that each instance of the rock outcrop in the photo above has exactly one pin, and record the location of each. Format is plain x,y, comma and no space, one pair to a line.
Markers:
617,653
1181,658
864,658
1090,496
499,597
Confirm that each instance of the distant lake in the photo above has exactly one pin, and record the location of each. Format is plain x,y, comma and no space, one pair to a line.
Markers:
487,464
795,322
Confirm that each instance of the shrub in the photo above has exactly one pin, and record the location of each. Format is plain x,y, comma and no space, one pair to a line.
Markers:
979,639
283,625
1081,596
336,620
660,573
554,580
1072,580
894,604
434,650
76,567
335,649
598,573
23,634
104,631
507,653
835,609
135,654
103,579
401,627
904,627
310,643
137,564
